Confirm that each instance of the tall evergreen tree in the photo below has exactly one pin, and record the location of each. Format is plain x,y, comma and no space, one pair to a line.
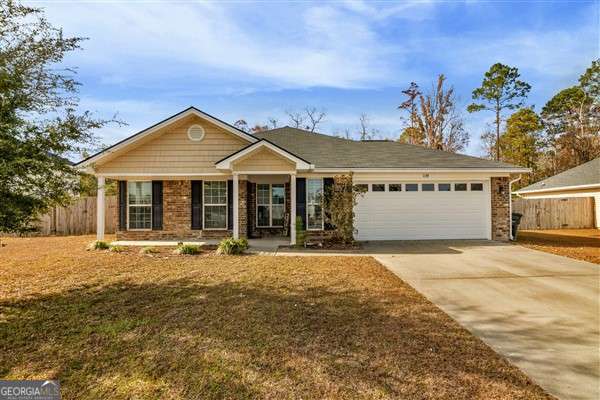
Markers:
500,90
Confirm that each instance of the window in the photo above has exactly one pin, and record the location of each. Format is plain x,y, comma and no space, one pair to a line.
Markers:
428,187
270,204
460,187
314,204
477,187
412,187
363,187
443,187
139,198
378,187
395,187
215,205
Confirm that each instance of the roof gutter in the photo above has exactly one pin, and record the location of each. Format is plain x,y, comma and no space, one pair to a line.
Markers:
466,169
559,188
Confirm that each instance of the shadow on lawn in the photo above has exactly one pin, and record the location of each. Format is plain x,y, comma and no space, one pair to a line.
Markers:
185,339
557,240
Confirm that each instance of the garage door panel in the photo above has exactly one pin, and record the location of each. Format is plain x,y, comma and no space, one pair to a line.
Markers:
422,215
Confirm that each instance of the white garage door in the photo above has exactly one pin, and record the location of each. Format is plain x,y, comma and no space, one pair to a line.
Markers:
420,211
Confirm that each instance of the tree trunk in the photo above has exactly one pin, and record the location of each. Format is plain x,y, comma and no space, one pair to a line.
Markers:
497,131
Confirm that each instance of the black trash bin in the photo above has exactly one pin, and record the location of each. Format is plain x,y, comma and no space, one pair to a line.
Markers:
516,219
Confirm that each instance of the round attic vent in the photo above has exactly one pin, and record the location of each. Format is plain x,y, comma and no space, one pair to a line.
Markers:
195,132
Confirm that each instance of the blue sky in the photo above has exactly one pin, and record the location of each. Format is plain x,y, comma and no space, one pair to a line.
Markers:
254,60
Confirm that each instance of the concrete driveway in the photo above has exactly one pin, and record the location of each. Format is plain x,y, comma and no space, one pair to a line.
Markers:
539,310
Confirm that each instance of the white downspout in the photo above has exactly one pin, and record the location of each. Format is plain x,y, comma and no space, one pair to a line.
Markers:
510,203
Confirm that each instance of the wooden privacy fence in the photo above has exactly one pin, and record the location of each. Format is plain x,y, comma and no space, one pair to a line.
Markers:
575,212
79,218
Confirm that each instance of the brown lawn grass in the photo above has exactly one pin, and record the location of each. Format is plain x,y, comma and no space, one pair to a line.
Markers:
581,244
214,327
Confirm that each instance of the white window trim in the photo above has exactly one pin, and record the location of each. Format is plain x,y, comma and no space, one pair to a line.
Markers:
322,205
204,204
139,205
270,205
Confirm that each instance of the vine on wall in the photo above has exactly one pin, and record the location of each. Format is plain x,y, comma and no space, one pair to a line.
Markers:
341,198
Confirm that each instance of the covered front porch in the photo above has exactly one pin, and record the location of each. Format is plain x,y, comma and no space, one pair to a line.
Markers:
254,195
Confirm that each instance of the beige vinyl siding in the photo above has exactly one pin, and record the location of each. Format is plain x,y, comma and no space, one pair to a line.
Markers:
172,151
263,160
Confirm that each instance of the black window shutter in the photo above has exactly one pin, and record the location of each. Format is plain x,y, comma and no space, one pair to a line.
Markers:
327,188
122,205
196,204
229,204
251,206
157,205
301,200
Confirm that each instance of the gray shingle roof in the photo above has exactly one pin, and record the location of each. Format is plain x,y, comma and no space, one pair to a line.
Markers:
331,152
584,174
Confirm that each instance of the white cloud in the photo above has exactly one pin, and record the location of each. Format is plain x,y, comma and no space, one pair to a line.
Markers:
553,53
409,9
319,46
137,114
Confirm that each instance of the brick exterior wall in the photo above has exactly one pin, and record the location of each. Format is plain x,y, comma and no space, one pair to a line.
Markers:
501,220
177,216
253,230
243,208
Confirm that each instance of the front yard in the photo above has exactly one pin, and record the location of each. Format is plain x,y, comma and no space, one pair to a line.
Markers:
111,325
582,244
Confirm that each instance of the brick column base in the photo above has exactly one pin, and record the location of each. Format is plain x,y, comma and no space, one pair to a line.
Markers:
501,220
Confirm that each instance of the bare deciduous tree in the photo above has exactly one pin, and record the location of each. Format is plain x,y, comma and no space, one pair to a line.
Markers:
488,142
273,122
366,132
241,124
315,117
436,117
309,118
296,119
410,104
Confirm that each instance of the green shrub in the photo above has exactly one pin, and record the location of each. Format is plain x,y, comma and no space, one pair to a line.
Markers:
148,250
98,245
300,232
189,249
231,246
116,249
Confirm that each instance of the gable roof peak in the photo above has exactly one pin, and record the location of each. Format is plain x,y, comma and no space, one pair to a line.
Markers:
191,110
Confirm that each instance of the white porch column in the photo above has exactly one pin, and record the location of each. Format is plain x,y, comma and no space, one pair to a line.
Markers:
293,209
100,209
236,206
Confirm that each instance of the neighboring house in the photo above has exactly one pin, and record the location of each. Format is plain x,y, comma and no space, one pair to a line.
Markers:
581,181
194,176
